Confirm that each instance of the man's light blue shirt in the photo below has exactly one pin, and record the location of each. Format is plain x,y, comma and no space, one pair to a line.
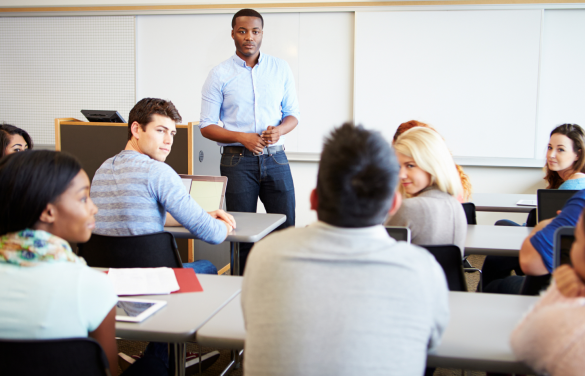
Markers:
249,99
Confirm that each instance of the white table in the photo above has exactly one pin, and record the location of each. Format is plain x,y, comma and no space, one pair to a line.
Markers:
250,228
183,315
477,336
495,240
501,202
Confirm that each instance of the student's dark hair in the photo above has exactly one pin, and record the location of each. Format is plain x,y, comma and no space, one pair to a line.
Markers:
7,130
576,134
247,13
143,110
358,174
29,182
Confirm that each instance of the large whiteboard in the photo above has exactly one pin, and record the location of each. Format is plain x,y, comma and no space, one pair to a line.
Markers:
471,74
562,84
174,55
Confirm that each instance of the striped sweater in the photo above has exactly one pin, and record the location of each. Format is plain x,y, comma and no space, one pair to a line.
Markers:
133,192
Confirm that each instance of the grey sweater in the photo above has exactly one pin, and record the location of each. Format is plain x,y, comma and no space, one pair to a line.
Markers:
323,300
434,217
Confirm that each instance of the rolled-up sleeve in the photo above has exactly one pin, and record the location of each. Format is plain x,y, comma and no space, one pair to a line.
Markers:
211,100
290,102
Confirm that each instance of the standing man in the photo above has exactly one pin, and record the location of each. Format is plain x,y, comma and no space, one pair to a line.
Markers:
254,95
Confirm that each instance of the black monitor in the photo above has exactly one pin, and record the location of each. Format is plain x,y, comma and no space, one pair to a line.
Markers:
564,237
95,116
549,201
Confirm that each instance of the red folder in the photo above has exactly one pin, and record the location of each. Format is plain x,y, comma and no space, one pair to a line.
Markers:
188,281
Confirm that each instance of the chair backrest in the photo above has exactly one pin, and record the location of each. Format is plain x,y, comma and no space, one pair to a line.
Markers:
533,285
140,251
63,357
469,209
399,233
531,219
449,257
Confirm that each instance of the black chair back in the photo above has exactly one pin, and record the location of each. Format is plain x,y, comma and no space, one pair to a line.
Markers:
469,209
533,285
140,251
449,257
63,357
531,219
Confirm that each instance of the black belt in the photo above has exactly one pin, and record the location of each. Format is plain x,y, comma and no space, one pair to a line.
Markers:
243,151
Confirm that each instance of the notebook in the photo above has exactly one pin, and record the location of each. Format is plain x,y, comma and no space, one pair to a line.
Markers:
549,201
207,191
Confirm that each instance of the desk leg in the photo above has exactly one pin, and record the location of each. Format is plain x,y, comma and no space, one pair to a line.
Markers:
178,359
235,258
235,363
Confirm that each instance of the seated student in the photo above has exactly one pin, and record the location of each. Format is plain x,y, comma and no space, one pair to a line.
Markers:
134,189
565,164
565,160
13,140
536,253
47,291
428,175
550,338
341,297
465,195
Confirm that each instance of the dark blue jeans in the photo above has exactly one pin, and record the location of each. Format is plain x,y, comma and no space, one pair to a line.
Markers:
266,176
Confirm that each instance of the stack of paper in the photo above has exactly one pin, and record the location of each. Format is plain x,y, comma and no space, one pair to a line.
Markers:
147,281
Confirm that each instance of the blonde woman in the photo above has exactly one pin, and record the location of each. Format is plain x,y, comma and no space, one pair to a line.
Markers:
430,182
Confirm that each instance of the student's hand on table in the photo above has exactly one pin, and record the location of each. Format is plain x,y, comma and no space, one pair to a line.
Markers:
271,135
252,142
568,282
225,217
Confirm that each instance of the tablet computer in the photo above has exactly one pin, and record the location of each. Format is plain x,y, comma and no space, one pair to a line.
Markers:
137,310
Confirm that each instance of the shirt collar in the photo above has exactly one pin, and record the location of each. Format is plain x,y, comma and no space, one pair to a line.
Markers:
239,61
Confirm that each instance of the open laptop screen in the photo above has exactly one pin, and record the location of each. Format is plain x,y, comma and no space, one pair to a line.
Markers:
550,201
399,233
207,191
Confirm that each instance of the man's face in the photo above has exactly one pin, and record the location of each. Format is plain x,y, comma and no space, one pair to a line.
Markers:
157,137
247,35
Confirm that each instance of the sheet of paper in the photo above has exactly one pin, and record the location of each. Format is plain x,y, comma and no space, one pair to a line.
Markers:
143,281
187,184
526,203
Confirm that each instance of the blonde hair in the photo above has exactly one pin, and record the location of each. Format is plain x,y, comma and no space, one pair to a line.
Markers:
431,154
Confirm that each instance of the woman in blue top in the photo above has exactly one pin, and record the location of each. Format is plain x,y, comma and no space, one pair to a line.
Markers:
565,160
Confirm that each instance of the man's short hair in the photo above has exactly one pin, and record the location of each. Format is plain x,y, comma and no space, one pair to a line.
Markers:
357,178
143,110
247,13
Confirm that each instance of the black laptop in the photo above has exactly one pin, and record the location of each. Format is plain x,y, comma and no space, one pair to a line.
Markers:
549,201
